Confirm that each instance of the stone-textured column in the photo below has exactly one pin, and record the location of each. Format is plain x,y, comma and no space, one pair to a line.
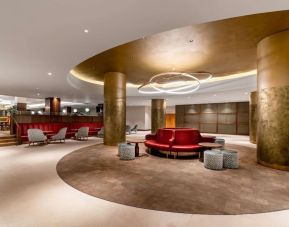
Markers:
21,106
253,117
158,114
52,105
273,101
114,108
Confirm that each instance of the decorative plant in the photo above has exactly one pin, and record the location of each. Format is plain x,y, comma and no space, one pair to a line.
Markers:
12,110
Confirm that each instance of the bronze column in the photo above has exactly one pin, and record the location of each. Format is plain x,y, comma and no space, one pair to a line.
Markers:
52,105
158,114
273,101
253,117
114,108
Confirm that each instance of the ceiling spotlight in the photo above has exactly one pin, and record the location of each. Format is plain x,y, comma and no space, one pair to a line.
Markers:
86,110
74,110
64,111
49,74
85,30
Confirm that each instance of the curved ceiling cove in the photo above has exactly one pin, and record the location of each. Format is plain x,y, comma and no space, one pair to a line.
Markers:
222,48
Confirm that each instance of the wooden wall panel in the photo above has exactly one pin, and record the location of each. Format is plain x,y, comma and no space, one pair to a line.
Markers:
227,118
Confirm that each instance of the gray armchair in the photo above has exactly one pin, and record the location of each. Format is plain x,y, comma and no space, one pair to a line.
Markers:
134,129
82,133
101,133
127,129
60,135
35,136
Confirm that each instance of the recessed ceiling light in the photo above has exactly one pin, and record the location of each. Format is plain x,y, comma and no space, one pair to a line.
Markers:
49,74
85,30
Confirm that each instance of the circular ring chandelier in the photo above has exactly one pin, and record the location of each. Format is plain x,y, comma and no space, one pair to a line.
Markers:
173,83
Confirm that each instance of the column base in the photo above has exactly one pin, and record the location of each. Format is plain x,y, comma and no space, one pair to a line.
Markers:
273,166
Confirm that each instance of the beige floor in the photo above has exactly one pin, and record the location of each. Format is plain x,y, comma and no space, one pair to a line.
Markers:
31,194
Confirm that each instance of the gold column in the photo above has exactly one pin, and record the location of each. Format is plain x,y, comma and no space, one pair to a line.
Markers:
158,114
273,101
114,108
253,116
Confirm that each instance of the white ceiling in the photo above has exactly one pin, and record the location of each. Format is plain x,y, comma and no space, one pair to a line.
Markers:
37,37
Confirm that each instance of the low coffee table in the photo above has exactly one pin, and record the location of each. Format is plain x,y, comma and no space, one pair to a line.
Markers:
136,148
209,146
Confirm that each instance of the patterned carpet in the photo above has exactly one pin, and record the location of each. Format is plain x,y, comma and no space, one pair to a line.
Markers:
181,185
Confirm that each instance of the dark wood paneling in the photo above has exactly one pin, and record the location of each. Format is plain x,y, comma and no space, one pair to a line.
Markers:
227,118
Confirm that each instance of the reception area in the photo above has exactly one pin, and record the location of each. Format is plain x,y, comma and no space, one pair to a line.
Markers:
180,122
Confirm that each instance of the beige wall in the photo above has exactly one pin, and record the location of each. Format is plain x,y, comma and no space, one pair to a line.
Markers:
139,115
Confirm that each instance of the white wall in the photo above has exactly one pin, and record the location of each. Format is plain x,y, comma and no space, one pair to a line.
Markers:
141,115
171,110
137,115
147,117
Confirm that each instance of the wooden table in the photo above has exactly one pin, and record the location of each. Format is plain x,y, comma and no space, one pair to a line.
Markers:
209,146
136,148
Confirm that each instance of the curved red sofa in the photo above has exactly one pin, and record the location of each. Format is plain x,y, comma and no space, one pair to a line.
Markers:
177,140
53,128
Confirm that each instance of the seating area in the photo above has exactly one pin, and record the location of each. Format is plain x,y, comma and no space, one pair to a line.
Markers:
52,130
144,113
177,140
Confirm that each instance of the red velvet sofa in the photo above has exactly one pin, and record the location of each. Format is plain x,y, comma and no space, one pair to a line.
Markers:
53,128
177,140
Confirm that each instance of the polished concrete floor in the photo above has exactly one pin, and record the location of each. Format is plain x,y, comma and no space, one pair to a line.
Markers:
32,194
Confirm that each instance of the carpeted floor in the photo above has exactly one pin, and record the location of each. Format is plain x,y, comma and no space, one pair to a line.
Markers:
183,186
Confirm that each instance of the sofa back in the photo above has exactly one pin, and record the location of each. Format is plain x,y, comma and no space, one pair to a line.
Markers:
186,137
164,135
55,127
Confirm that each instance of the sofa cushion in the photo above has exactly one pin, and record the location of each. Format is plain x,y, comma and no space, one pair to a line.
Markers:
156,145
185,148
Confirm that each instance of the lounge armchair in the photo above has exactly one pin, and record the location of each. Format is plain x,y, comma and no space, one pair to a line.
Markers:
60,135
101,133
82,133
134,129
36,136
127,129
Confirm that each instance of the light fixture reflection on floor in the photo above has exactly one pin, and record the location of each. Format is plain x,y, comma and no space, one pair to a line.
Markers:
176,83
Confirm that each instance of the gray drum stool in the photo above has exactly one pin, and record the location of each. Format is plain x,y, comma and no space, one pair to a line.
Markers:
213,159
128,153
231,159
220,141
121,146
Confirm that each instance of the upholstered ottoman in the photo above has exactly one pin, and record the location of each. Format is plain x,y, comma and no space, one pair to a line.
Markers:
213,159
220,141
127,153
230,159
121,146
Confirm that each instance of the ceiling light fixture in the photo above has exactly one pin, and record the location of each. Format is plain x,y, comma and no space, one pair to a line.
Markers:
49,74
173,83
85,30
